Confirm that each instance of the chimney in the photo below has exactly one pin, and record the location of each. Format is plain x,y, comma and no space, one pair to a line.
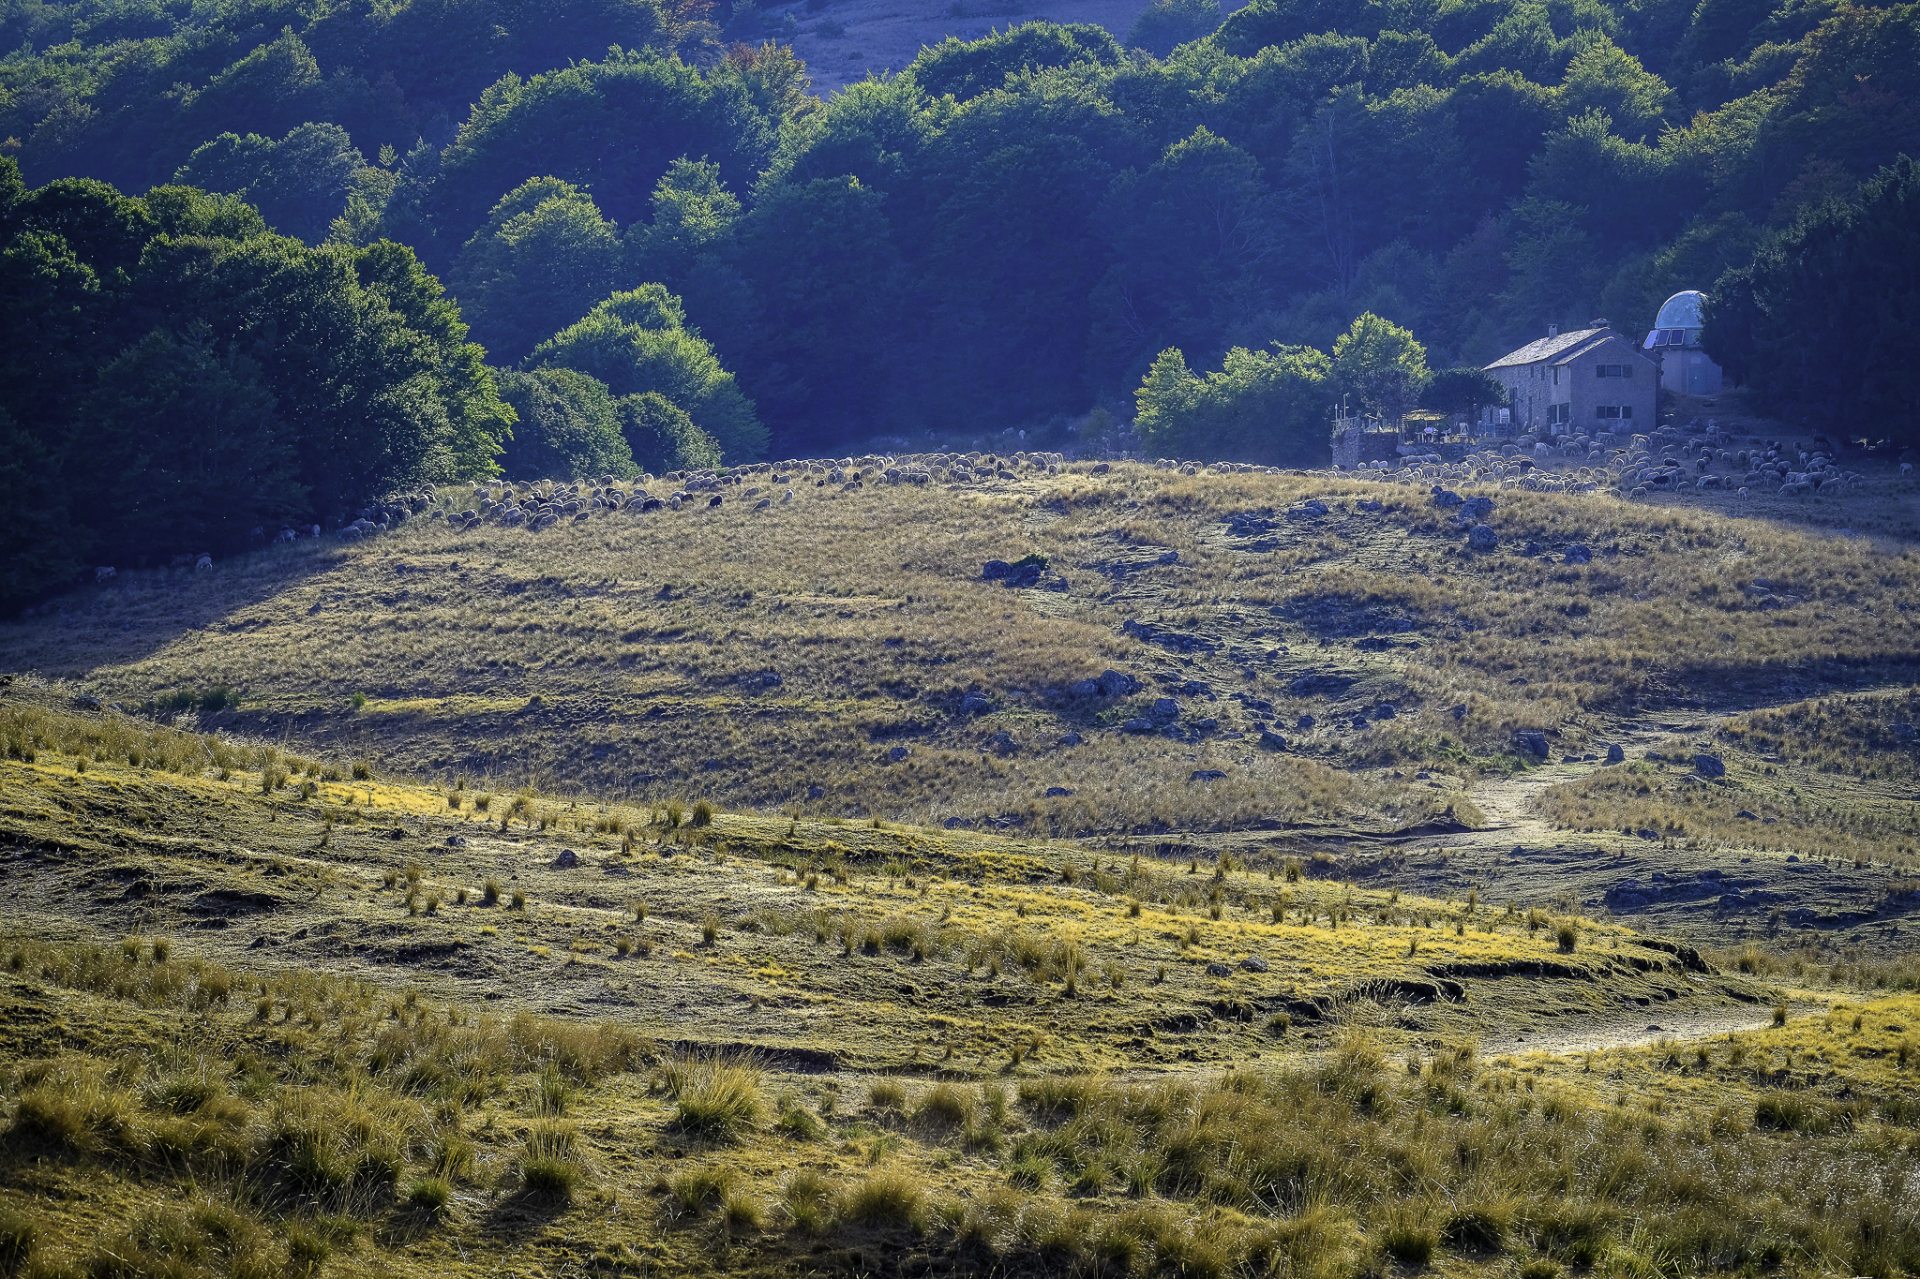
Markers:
1553,330
1600,323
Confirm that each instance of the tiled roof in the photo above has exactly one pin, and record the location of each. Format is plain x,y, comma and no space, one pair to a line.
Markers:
1547,348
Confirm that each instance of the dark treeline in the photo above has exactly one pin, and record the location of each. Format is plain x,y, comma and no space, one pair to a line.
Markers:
680,253
178,378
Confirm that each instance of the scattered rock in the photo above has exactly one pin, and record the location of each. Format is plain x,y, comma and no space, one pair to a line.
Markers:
1709,765
1205,775
1272,741
898,753
567,859
975,702
1577,553
1058,792
1482,538
1615,755
1254,964
1218,969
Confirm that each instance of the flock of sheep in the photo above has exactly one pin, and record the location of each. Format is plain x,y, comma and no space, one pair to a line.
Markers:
1664,461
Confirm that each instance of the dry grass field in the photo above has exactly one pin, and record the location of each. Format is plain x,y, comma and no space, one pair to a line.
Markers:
764,891
818,655
268,1014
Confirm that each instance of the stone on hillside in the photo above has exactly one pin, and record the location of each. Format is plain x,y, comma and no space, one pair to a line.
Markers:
1578,553
1254,964
1482,538
975,702
1709,765
1532,742
1272,741
567,859
1205,775
898,753
1114,683
1218,969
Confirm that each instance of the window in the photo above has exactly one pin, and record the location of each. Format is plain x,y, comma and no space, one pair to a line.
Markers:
1559,414
1613,370
1606,410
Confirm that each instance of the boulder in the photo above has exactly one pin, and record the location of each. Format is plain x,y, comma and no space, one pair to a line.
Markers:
1218,969
1615,755
1482,538
975,702
1254,964
898,753
1577,553
567,859
1205,775
1272,741
1709,765
1531,742
1114,683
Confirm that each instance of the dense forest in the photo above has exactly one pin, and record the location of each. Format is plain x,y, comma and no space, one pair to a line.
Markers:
670,251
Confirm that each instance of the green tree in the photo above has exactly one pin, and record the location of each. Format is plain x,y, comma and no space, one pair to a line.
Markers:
179,443
1168,23
300,183
662,436
1381,365
1462,390
634,342
566,425
1824,321
1271,406
545,256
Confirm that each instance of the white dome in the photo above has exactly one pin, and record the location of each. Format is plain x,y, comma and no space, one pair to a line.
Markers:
1681,311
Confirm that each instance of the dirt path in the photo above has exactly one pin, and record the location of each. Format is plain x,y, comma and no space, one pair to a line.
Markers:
1595,1036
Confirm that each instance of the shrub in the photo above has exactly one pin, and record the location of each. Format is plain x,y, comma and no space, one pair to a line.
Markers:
549,1166
714,1098
702,814
809,1201
18,1235
888,1198
430,1195
1566,937
887,1094
1409,1237
945,1105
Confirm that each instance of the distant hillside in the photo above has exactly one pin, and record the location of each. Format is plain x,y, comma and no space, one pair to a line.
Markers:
854,650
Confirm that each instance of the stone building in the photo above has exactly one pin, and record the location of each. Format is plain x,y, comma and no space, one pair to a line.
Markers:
1579,382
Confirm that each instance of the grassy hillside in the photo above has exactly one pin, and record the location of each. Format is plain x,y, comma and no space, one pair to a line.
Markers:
1318,642
268,1014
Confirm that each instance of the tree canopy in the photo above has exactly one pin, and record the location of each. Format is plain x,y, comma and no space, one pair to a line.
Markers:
183,380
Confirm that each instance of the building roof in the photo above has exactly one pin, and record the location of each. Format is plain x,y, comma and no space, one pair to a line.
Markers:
1562,345
1681,311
